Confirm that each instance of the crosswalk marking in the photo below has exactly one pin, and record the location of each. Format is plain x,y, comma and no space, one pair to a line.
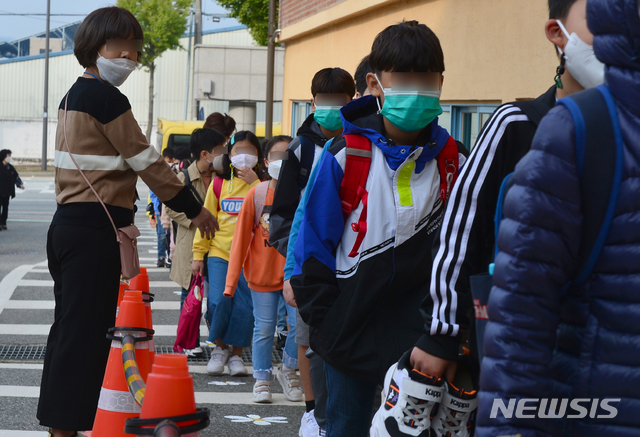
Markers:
49,283
11,329
50,304
202,397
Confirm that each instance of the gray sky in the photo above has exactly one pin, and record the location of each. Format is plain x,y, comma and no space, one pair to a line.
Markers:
13,27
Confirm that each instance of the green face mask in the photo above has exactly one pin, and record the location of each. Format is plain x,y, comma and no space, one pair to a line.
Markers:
410,111
328,117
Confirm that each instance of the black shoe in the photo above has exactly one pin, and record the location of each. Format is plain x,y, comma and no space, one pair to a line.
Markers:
282,339
4,227
161,263
167,264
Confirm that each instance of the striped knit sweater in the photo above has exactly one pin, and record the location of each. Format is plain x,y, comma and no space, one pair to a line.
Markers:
108,145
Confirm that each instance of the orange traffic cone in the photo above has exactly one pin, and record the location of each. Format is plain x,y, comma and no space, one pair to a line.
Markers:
123,286
169,395
140,282
148,298
116,403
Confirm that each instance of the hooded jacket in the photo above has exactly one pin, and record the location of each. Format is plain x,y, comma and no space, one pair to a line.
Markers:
363,311
9,180
585,346
288,193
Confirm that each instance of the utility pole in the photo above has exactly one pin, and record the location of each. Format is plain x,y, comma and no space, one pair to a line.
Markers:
197,39
271,52
45,117
188,75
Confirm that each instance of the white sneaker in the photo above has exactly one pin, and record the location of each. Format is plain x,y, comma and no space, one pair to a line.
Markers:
194,353
290,385
309,426
236,366
407,402
219,358
456,413
262,392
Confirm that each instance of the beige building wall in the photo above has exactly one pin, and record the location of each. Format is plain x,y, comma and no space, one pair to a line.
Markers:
495,50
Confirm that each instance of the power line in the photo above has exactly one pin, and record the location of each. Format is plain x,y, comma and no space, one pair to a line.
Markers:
44,15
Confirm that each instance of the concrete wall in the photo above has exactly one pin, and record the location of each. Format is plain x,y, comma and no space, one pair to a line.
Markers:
495,50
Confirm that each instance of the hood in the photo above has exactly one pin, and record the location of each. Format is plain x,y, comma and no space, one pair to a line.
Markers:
360,117
311,129
615,25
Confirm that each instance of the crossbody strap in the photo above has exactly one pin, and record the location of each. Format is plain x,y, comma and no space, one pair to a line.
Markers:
66,142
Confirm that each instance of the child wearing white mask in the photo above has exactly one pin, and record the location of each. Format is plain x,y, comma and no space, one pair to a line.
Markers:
264,271
230,320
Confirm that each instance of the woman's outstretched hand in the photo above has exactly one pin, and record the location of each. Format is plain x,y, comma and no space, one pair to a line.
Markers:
207,224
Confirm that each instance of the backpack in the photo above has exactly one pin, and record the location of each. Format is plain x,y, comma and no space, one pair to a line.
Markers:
597,134
307,154
259,198
188,183
356,172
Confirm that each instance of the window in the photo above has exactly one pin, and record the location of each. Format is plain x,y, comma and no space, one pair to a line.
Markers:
467,122
299,113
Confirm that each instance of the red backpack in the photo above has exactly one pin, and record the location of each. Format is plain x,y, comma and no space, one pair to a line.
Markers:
356,172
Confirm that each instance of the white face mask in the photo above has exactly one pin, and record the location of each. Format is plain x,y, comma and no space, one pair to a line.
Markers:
115,71
581,61
274,169
217,163
244,161
8,160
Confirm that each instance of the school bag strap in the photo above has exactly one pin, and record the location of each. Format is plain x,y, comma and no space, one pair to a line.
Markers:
307,153
259,199
599,158
217,188
448,164
353,186
188,183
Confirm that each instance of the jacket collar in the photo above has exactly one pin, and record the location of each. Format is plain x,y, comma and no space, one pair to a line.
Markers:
360,117
311,129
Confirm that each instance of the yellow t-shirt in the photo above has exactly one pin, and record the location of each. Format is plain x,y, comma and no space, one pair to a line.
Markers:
231,199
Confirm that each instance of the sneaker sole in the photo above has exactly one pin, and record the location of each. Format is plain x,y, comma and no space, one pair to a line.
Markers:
262,399
239,373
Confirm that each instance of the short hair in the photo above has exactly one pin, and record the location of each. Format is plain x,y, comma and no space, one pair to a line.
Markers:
268,145
361,75
333,81
226,159
4,153
101,25
168,153
183,154
223,123
205,139
559,9
407,47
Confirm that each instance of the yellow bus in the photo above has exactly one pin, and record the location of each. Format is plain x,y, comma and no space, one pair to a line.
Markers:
174,134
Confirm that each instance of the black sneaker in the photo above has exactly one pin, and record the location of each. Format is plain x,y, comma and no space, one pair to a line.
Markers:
161,262
409,402
456,414
282,339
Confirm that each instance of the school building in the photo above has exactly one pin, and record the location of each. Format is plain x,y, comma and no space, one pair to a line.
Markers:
495,51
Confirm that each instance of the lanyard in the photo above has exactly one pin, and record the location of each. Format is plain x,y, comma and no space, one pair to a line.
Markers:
90,74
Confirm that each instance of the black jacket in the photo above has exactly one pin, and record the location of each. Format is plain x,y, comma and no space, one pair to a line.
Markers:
288,193
466,242
9,180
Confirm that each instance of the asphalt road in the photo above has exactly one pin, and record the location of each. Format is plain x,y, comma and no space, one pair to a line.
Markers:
26,312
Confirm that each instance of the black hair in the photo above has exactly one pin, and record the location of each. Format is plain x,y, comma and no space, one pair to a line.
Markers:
333,81
4,153
183,154
361,75
407,47
268,145
205,139
168,153
559,9
243,135
101,25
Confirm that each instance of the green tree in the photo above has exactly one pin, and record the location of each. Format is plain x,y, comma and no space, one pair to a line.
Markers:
163,23
252,13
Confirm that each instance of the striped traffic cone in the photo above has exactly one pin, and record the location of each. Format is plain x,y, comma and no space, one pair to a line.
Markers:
116,403
148,298
169,395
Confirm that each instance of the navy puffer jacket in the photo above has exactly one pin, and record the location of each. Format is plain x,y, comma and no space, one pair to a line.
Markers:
538,345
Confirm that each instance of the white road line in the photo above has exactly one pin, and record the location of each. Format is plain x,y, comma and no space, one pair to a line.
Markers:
50,304
47,283
202,397
15,433
10,282
19,329
194,368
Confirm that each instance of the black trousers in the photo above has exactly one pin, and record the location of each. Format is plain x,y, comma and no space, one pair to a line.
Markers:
4,209
85,265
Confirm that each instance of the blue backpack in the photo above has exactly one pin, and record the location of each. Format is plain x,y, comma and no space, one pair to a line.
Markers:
599,155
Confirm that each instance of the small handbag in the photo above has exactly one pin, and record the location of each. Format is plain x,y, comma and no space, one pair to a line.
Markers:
190,316
126,236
